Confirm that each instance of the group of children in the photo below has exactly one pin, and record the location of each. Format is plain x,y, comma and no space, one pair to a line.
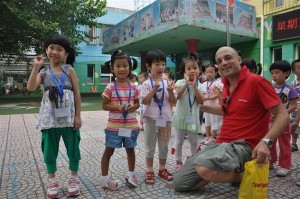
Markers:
60,111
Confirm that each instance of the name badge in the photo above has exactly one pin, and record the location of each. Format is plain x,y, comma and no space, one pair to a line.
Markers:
190,119
124,132
62,112
161,122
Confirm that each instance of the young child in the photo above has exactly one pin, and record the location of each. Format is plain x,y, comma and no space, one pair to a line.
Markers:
280,71
211,98
133,78
157,96
121,99
60,109
295,129
143,76
185,118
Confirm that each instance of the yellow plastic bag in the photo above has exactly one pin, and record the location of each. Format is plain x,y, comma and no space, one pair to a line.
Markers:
255,181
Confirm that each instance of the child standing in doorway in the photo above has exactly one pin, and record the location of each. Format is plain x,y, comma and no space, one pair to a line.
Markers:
211,98
186,115
121,99
157,96
280,71
60,109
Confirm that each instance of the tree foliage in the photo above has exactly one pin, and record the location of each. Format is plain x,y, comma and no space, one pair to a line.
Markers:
26,24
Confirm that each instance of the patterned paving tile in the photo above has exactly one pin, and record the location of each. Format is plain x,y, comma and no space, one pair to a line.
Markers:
23,172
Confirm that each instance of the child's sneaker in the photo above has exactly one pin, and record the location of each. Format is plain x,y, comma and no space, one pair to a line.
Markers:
112,184
282,172
132,181
165,175
73,188
294,147
52,190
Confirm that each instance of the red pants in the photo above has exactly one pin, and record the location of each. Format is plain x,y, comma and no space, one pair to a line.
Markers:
285,150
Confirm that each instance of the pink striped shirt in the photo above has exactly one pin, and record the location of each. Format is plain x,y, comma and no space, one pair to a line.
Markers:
116,118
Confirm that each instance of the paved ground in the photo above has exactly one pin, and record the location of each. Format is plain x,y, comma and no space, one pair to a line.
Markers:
23,172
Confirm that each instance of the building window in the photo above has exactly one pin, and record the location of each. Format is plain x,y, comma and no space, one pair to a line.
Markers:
278,3
92,31
277,54
90,73
102,30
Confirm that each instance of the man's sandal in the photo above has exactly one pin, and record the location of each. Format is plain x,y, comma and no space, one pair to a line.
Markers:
149,177
165,175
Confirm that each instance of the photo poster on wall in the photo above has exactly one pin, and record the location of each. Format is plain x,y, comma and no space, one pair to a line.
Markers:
168,11
146,21
128,30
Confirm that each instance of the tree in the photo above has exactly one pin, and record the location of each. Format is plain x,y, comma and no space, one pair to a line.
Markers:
26,24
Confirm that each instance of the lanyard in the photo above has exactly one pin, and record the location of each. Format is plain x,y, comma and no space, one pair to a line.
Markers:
60,87
190,101
279,94
125,105
207,87
159,104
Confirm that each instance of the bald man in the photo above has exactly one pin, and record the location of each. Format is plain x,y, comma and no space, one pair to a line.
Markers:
247,102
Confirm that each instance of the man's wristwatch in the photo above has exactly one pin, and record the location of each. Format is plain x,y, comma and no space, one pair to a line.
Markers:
268,141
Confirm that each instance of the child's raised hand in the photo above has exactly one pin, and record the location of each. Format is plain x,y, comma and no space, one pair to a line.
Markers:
170,86
130,108
156,80
38,61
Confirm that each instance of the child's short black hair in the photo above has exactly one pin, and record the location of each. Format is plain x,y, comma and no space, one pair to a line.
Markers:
249,63
145,74
282,65
294,63
155,56
65,43
192,57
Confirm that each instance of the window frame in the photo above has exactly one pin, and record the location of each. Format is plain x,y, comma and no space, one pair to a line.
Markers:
93,74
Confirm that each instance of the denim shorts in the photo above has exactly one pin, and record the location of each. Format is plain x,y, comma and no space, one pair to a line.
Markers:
113,140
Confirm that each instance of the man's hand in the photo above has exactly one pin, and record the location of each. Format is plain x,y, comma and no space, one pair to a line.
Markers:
261,153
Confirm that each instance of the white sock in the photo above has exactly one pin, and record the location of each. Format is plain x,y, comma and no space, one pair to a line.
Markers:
74,177
105,179
52,180
130,173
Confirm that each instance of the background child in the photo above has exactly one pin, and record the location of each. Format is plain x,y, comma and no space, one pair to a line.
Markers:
157,96
60,109
211,98
143,76
133,79
280,71
295,129
185,118
121,99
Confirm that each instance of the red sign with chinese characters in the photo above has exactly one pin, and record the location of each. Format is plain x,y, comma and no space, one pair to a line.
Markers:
286,26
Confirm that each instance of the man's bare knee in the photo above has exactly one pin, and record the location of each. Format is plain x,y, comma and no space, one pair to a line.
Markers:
204,172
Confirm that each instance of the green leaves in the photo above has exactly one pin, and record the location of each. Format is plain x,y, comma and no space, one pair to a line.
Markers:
26,24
